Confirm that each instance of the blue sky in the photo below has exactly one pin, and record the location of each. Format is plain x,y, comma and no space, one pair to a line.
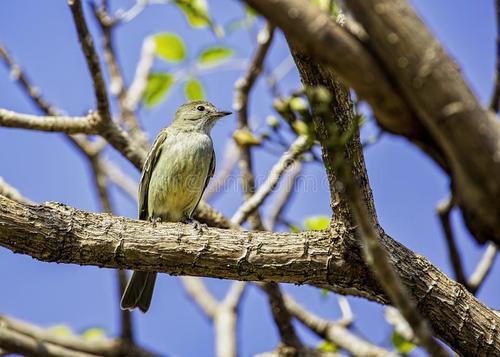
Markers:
406,184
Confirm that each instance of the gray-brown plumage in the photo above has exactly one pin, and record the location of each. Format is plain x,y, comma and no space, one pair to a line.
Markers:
175,174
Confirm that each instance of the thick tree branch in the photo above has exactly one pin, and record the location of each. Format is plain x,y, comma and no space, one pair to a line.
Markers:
431,84
55,232
69,125
425,99
351,197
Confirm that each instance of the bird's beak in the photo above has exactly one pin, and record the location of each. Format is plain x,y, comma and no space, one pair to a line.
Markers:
221,114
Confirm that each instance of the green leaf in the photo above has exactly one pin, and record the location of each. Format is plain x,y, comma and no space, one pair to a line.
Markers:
61,330
94,333
170,47
295,229
193,89
156,88
327,346
215,54
196,12
317,223
402,345
324,293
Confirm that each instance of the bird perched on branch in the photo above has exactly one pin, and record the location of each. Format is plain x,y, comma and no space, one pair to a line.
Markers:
175,174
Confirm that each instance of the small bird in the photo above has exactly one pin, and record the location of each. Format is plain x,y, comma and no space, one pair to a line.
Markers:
175,174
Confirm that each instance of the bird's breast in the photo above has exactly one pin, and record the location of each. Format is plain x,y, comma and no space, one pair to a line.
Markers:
179,176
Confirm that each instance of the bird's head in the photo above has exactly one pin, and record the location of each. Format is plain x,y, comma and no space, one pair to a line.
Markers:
197,115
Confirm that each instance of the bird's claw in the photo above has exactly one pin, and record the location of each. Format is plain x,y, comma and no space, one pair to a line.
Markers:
155,221
198,226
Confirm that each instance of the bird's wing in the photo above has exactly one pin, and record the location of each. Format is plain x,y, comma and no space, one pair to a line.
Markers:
148,168
210,174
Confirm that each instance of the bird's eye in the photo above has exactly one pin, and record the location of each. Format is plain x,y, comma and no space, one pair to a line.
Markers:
200,108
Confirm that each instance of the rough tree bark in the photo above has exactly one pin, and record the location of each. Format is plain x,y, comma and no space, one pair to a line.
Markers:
329,259
414,89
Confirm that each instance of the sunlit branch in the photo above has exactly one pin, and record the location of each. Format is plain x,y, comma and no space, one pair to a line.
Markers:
298,147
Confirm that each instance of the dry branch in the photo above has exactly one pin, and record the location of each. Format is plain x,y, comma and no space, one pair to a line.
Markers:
55,232
335,332
425,100
20,337
298,147
69,125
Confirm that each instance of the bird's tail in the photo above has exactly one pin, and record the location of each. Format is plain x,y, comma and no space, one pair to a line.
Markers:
139,291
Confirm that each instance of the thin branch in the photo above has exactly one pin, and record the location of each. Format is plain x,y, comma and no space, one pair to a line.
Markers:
230,159
70,125
483,268
116,136
33,92
119,178
495,97
243,86
234,295
11,192
443,210
117,85
334,332
345,308
298,147
200,294
138,86
20,337
285,195
282,317
223,314
394,317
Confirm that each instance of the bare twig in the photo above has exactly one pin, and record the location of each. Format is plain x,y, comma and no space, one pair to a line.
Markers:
241,96
282,317
394,317
217,183
334,332
123,181
116,136
284,195
298,147
21,337
443,210
495,98
200,294
483,268
138,86
30,89
70,125
117,85
224,314
12,193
